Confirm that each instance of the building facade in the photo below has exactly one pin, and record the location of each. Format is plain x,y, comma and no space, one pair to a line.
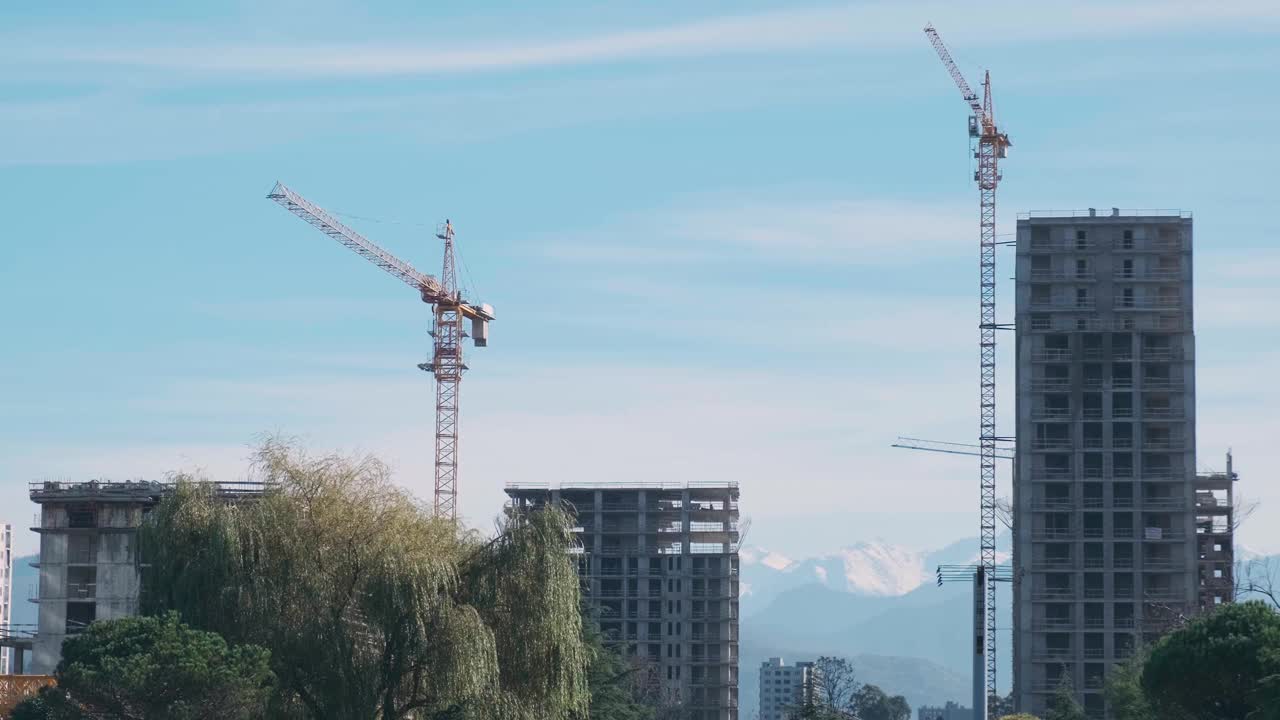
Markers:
784,687
1105,485
659,566
6,594
950,711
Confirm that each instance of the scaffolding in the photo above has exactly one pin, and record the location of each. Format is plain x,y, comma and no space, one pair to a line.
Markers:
1215,535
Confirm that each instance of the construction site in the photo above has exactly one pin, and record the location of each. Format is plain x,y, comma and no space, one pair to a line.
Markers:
1117,536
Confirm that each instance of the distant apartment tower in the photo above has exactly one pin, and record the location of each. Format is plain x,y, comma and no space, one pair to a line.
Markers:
88,554
950,711
88,535
6,593
784,688
1106,553
659,565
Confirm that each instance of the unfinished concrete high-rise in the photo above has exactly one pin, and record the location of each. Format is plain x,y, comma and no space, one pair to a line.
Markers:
1105,487
659,566
88,554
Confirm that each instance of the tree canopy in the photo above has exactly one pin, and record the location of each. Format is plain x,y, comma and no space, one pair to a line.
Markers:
1224,665
371,606
872,703
153,668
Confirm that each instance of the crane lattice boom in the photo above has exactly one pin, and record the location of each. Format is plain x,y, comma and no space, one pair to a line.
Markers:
970,96
315,216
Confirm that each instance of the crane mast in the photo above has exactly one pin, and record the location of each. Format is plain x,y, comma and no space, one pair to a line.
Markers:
451,311
992,146
447,366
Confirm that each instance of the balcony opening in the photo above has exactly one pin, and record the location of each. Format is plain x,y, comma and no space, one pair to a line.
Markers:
1093,556
82,582
1122,524
1093,525
1123,585
1057,614
82,516
1122,494
1122,376
1122,405
1092,435
1093,496
1093,615
79,615
1121,435
1123,614
1057,493
1122,555
1092,466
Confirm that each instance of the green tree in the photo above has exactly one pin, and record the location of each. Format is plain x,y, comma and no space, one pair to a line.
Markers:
617,686
1019,716
1124,693
872,703
1063,705
370,605
153,668
1224,665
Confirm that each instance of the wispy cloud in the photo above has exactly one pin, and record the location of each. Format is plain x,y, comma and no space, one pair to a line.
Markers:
861,25
754,228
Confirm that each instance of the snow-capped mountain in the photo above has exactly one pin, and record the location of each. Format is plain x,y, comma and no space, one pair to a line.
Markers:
867,569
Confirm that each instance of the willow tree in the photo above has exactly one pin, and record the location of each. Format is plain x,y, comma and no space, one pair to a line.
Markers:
370,606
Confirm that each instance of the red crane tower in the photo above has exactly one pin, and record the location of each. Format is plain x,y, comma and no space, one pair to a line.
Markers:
992,146
450,311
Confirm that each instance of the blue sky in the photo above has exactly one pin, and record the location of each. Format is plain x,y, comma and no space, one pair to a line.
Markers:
724,240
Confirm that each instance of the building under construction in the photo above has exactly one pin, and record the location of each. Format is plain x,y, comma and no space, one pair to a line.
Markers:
1116,537
659,565
89,557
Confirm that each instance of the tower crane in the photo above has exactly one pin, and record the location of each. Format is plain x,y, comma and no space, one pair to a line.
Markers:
451,310
992,146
